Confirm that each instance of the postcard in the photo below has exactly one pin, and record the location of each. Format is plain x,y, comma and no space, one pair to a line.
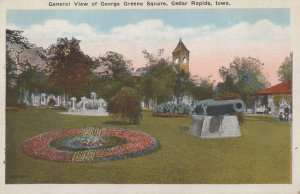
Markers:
150,96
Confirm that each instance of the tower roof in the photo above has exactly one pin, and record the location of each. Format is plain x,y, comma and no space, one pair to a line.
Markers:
180,47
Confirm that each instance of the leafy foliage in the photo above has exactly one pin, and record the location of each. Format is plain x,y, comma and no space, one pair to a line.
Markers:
11,68
126,104
32,78
244,76
167,108
162,82
285,71
11,82
51,102
276,99
159,81
70,69
16,37
181,84
227,96
20,75
113,72
200,88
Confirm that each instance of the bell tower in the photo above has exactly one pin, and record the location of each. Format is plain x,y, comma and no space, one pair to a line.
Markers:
180,57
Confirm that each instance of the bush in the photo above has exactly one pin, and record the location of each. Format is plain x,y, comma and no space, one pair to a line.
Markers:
127,105
168,108
12,97
232,96
51,102
227,96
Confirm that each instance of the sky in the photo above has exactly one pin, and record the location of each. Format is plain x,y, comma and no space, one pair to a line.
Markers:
213,36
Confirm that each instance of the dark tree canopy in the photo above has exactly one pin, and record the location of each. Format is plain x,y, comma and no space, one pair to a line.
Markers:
285,71
244,76
182,84
114,65
127,105
11,68
70,69
201,88
113,72
162,81
17,76
159,80
32,78
16,37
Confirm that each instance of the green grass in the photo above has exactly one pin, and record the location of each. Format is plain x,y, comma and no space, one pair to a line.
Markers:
261,155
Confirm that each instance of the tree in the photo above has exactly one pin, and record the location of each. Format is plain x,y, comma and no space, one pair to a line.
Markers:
114,65
113,72
200,88
154,58
159,81
126,104
70,70
285,71
181,86
15,37
11,82
16,44
228,85
11,69
32,78
244,76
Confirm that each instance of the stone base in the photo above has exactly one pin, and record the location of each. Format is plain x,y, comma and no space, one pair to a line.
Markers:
85,112
215,126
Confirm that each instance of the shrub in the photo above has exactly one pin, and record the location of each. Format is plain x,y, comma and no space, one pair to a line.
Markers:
172,108
227,96
232,96
12,97
276,99
126,104
51,102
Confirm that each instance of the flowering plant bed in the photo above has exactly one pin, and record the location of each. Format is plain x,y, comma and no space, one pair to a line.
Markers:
89,144
172,115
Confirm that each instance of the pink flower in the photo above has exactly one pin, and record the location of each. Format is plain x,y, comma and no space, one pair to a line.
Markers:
136,143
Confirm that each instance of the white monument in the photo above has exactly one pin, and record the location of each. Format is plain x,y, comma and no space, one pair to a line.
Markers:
88,107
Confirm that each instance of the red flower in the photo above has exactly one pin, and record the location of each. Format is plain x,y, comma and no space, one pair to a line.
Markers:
136,143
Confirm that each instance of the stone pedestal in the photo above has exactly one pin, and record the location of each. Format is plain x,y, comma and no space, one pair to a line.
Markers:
215,126
83,103
73,103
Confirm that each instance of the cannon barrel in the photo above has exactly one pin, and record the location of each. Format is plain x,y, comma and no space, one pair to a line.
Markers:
221,107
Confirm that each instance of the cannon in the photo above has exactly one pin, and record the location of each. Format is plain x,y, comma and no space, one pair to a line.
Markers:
221,107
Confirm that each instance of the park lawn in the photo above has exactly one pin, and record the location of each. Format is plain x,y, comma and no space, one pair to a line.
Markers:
261,155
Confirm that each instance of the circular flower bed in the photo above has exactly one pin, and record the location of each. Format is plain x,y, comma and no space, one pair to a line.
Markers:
89,144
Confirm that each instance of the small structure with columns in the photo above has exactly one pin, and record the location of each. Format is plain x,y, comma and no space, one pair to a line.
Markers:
281,90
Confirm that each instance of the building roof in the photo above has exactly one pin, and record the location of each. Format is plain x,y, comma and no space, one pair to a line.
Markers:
180,47
282,88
